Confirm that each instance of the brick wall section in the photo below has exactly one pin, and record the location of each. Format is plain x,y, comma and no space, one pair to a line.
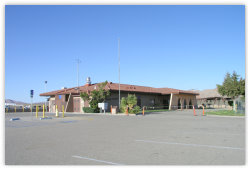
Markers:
146,99
60,102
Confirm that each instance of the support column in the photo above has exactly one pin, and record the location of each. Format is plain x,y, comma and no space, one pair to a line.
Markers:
170,103
181,100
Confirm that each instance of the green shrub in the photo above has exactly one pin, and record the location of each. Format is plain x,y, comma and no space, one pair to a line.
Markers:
135,110
123,104
130,102
88,110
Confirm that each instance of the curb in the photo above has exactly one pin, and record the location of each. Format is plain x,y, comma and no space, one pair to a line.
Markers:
45,118
225,116
108,114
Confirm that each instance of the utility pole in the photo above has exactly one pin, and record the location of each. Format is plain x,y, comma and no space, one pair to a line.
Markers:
78,61
119,72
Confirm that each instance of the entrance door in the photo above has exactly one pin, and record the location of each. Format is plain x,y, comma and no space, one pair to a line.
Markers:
76,104
190,104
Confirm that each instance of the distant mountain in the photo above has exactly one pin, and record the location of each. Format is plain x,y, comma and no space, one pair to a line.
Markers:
14,102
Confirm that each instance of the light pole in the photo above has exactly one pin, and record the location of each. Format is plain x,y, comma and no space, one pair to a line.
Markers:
45,96
119,71
78,61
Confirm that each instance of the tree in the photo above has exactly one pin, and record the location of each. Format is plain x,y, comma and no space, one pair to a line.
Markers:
232,86
130,102
96,96
123,104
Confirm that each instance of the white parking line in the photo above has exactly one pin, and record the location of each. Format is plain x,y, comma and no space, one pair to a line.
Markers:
194,145
91,159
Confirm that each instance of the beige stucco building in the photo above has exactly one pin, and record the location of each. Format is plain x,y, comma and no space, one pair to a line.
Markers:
211,98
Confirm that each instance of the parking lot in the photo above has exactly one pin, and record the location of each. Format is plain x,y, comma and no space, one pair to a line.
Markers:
163,138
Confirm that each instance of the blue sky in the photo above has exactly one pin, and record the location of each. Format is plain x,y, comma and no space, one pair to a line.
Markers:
183,47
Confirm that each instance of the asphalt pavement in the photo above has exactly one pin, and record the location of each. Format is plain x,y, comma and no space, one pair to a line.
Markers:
161,138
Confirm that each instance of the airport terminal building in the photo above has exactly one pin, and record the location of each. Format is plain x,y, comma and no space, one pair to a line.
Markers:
167,98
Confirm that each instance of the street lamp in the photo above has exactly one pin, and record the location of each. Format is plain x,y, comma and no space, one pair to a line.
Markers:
45,96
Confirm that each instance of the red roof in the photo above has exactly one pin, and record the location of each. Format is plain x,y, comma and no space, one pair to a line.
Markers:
115,87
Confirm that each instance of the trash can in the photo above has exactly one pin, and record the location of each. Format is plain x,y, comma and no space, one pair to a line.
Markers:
114,110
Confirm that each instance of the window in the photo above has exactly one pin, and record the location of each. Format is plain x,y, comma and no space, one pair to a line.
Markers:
179,103
153,101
